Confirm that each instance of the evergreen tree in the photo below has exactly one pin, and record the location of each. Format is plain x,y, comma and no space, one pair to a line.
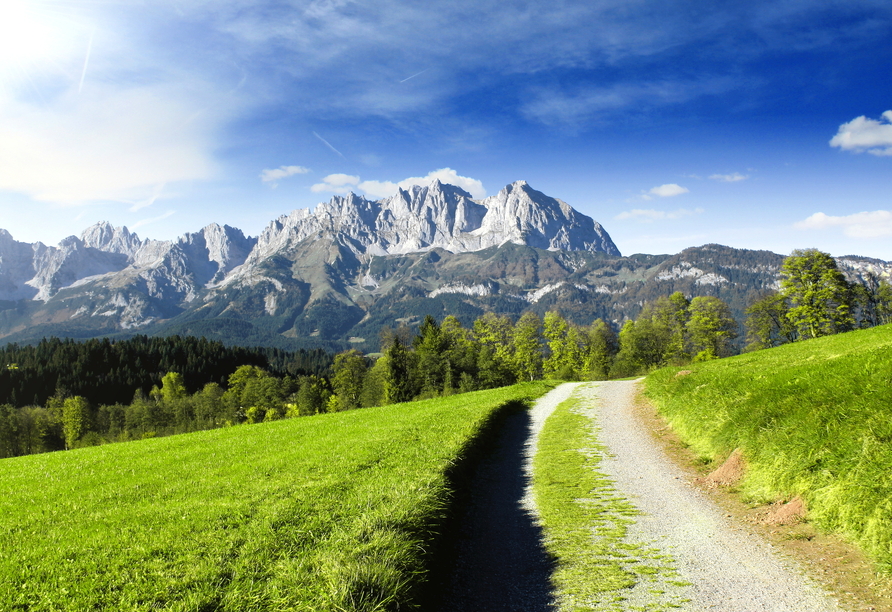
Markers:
494,337
373,385
430,357
461,354
397,380
312,395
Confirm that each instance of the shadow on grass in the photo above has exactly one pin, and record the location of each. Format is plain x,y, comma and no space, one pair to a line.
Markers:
491,556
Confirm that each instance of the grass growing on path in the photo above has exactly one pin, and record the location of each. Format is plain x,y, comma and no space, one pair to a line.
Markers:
333,512
813,418
586,523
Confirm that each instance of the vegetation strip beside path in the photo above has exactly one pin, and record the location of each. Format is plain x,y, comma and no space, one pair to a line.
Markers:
659,525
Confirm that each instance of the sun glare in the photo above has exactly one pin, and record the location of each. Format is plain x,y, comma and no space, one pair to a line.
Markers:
25,34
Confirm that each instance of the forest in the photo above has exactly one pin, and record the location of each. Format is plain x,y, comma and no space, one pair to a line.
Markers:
64,394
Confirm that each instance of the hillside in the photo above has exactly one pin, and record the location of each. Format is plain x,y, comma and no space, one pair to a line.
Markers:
813,419
333,512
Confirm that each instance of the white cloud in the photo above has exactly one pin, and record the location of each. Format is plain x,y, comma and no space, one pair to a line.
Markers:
863,134
336,183
342,183
450,177
282,172
876,224
734,177
651,215
379,189
665,191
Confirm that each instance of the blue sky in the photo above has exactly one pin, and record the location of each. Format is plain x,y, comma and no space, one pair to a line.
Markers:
764,125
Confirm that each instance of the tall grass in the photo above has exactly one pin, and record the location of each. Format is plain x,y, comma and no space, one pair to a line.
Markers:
334,512
813,419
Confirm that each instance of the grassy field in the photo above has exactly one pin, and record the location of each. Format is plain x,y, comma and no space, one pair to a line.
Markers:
586,523
813,419
334,512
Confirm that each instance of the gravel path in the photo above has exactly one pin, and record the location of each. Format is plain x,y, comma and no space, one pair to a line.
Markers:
495,559
729,567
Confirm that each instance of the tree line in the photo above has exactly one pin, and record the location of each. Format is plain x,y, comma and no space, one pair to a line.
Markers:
108,372
162,386
815,299
441,359
445,358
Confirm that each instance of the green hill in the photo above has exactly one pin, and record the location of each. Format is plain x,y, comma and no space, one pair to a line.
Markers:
813,419
333,512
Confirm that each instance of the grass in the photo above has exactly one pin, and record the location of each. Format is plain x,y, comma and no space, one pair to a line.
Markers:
586,525
813,419
335,512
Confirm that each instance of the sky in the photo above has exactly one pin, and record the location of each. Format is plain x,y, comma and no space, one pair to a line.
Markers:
754,124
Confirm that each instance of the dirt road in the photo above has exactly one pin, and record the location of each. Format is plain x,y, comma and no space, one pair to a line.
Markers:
729,567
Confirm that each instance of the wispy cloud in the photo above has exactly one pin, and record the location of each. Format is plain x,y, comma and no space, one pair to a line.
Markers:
273,176
152,219
734,177
575,105
863,134
876,224
149,200
328,144
414,75
80,86
107,143
651,215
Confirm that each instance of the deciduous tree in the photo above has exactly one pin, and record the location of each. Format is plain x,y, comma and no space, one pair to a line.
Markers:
767,324
349,371
75,419
710,328
527,362
820,298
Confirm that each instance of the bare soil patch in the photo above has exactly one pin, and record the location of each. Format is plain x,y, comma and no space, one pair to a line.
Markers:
837,564
729,473
782,513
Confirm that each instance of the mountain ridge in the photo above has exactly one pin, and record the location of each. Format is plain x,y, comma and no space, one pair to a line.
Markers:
340,273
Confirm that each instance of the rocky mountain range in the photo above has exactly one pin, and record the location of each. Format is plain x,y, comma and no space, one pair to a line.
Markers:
336,275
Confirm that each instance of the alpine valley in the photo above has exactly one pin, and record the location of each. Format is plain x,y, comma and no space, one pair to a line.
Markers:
336,276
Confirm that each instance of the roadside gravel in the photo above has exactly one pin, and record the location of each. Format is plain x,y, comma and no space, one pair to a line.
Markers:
729,567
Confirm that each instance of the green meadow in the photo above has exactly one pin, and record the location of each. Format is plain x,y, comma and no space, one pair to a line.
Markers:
334,512
813,418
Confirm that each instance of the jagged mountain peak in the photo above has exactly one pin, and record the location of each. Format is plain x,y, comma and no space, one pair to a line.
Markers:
105,237
118,276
